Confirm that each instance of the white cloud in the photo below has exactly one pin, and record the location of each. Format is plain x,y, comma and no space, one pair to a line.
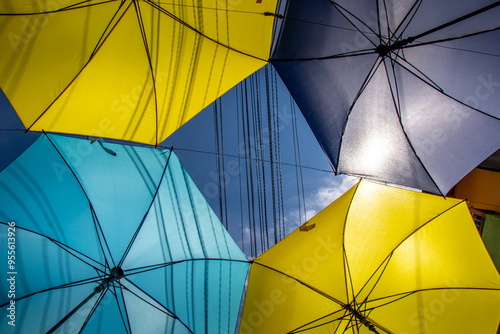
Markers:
317,200
332,190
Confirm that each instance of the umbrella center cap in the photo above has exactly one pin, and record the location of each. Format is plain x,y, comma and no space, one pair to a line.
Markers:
384,49
116,273
362,319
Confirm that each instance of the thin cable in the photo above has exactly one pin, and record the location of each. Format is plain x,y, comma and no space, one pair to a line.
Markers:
296,147
250,194
270,135
217,159
224,186
256,137
262,154
278,146
239,168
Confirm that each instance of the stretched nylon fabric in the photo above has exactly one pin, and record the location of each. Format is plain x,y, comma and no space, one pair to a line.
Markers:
119,187
406,260
144,318
135,70
424,116
82,208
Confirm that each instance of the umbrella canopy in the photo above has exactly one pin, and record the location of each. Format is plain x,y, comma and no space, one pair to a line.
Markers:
378,259
134,69
405,92
113,238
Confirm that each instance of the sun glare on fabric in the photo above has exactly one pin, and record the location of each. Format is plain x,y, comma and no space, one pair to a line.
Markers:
374,153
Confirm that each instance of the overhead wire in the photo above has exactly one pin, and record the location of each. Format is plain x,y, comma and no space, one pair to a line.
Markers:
262,172
270,135
242,227
298,170
249,173
277,129
253,96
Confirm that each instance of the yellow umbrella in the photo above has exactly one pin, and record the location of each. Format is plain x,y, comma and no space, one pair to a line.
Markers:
379,259
127,69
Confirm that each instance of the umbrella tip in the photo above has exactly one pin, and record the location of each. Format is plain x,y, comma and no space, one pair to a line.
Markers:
306,227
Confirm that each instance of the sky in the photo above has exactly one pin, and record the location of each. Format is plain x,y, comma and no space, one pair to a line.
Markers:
298,193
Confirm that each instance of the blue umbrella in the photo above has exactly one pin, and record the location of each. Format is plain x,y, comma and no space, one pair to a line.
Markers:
112,238
405,92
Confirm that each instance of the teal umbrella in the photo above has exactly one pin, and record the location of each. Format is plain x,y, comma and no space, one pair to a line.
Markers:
112,238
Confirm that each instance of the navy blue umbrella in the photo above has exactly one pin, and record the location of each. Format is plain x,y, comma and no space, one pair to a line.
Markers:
405,92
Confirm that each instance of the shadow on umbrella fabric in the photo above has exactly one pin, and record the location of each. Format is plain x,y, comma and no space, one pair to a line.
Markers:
121,243
379,259
132,70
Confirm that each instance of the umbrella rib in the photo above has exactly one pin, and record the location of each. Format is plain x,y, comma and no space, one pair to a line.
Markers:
378,22
374,323
350,323
386,21
367,79
414,8
62,286
396,99
457,38
195,214
72,312
398,111
125,306
168,313
367,311
355,325
353,53
64,247
408,293
430,82
304,284
302,329
342,10
179,218
94,307
98,228
140,270
457,20
413,232
344,255
178,20
115,294
74,6
104,36
147,211
403,295
146,47
79,258
80,71
448,24
386,261
96,220
346,265
443,92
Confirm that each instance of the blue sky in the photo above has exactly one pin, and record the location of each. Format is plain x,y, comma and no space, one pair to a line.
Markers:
195,145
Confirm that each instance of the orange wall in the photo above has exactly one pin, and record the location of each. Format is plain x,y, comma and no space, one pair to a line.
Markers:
482,189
